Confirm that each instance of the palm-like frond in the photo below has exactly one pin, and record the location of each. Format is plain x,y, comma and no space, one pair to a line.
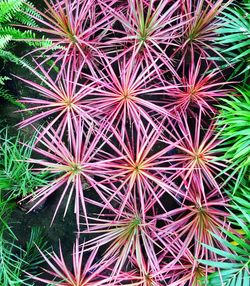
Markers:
233,33
234,266
235,115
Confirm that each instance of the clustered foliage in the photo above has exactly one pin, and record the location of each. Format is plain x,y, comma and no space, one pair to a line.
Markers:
140,120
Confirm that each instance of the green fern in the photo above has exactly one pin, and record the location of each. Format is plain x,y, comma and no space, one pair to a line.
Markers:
9,33
4,40
3,79
8,8
17,10
4,93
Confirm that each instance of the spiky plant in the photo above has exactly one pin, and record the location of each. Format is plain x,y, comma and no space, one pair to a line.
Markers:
235,115
186,272
142,173
127,235
198,89
148,29
75,28
194,221
195,158
80,162
199,30
144,275
85,271
59,102
123,93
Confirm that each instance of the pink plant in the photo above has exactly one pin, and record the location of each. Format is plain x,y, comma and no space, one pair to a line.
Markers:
120,91
199,89
195,159
129,234
144,275
84,272
59,102
148,28
117,127
75,29
141,174
195,220
82,162
187,272
199,28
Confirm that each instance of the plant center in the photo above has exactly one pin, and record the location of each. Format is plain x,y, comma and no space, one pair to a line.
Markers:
192,93
199,157
148,279
126,95
137,168
68,103
76,168
136,221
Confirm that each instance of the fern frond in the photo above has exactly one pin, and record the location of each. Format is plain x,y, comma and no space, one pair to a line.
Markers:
4,40
30,38
4,93
27,10
3,79
8,56
8,8
18,11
